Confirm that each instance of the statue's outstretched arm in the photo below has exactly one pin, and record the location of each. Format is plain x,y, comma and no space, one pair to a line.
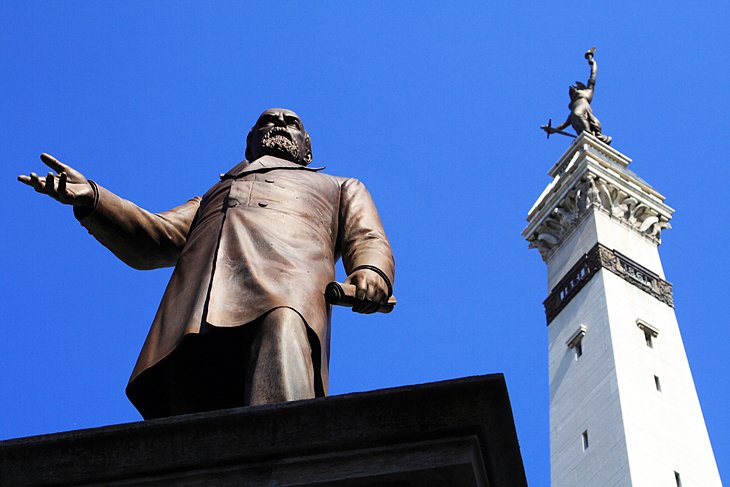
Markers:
594,70
141,239
551,130
563,125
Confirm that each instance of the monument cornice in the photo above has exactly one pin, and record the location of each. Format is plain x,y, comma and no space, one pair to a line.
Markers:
593,176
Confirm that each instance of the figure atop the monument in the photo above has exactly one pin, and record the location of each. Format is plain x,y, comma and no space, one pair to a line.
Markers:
581,115
243,320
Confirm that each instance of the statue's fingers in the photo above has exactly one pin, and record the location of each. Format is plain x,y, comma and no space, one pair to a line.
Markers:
25,179
370,305
36,182
354,279
380,298
360,294
53,163
50,186
370,295
62,184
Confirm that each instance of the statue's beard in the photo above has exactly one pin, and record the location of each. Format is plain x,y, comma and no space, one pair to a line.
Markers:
280,146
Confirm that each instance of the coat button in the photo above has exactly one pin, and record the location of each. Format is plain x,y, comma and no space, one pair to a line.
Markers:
263,204
232,202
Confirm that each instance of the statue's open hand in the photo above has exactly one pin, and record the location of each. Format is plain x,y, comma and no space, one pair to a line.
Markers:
68,186
371,290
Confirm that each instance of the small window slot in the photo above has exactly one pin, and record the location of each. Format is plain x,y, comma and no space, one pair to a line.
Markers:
649,338
576,341
650,332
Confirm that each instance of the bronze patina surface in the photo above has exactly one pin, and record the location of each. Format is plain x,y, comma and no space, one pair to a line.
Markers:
243,320
581,116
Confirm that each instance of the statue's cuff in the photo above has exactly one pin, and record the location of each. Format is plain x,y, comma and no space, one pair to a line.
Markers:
380,273
82,212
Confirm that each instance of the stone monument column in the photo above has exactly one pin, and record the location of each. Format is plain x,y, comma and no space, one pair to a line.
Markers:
623,405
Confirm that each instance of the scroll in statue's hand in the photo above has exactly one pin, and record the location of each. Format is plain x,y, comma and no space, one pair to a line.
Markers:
341,294
68,186
371,290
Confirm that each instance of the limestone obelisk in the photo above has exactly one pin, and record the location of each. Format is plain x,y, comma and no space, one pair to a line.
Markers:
623,405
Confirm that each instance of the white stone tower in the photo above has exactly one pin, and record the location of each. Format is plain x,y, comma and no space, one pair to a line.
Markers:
623,406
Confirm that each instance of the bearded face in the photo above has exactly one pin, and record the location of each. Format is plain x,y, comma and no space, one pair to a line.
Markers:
278,142
279,132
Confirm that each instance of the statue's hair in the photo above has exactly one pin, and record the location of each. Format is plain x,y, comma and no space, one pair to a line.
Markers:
578,85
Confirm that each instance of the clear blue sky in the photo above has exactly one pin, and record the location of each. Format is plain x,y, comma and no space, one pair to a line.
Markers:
434,105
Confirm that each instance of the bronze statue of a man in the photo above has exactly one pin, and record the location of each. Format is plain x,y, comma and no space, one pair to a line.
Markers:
243,320
581,116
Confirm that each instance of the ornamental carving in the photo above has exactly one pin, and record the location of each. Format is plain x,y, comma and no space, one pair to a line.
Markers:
594,192
636,274
613,261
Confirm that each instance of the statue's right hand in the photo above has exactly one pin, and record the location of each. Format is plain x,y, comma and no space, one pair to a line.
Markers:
547,129
68,186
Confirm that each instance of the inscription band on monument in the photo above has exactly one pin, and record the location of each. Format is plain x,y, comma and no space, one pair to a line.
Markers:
592,261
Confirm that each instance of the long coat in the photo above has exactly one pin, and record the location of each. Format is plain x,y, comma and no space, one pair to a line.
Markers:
267,235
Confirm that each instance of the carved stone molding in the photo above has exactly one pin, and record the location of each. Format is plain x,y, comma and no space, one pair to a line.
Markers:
636,274
600,257
595,192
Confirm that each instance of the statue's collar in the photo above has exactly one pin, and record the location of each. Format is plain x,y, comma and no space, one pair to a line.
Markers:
264,163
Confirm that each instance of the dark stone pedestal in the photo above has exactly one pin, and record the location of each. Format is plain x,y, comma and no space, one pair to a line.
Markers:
452,433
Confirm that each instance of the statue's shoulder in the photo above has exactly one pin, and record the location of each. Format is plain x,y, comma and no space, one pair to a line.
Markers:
345,181
339,179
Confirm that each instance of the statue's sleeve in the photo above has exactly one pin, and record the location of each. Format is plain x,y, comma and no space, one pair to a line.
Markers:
141,239
361,238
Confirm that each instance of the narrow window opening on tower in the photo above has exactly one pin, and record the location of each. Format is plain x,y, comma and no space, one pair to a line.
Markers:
584,439
678,479
648,338
576,341
657,383
650,332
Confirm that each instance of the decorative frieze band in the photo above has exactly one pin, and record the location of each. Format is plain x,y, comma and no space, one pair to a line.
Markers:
595,192
591,262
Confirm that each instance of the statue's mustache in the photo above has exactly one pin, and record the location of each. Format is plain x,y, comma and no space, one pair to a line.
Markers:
280,132
280,140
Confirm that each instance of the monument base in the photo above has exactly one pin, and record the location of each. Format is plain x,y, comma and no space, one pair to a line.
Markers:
452,433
